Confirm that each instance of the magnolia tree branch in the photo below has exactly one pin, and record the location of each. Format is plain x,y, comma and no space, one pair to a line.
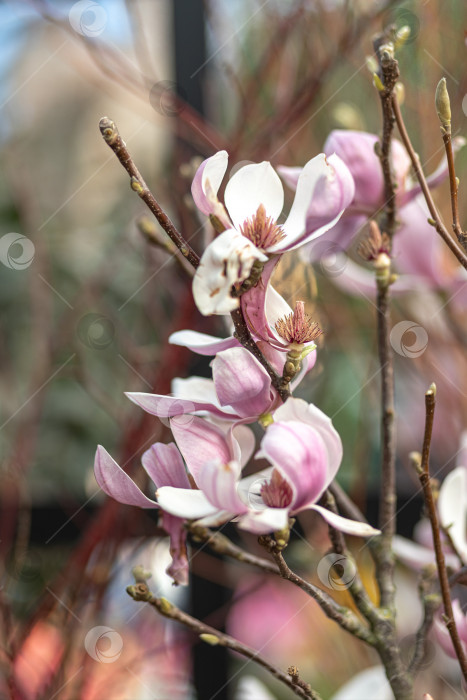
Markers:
340,614
389,72
141,592
436,217
431,602
113,139
423,470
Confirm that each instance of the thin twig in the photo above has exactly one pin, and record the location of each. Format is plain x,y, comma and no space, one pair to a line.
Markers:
113,139
438,223
453,186
342,615
424,476
210,635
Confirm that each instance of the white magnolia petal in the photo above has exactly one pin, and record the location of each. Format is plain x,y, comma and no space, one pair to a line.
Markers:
250,187
260,522
370,683
244,443
207,181
195,389
452,507
411,553
218,518
350,527
294,227
201,343
190,504
226,261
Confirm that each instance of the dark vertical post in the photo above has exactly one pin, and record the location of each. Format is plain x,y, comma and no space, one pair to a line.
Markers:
210,663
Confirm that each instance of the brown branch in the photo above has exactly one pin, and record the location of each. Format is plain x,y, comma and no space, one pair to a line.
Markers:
453,186
438,223
342,615
113,139
424,476
431,603
210,635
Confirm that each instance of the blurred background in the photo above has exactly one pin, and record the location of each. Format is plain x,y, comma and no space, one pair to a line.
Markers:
88,302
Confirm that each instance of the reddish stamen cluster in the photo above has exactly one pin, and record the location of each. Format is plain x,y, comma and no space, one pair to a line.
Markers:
278,492
374,244
298,326
262,230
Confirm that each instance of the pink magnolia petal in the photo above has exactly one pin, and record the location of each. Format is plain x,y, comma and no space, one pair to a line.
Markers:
334,241
179,568
350,527
189,504
164,465
200,442
218,481
246,442
253,303
299,452
208,179
299,410
168,406
251,186
116,483
201,343
226,261
241,382
264,521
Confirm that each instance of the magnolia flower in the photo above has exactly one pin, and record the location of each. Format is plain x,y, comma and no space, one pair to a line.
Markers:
357,150
165,467
305,452
254,198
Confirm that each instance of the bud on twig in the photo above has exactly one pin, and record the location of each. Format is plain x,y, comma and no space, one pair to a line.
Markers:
443,106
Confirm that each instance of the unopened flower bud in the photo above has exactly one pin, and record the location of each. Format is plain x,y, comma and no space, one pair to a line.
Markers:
443,106
210,639
401,36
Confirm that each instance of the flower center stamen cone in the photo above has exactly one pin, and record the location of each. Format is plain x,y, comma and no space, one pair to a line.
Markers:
262,230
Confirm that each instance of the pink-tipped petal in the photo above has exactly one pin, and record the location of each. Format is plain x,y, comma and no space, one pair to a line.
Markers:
200,442
207,181
164,465
116,483
299,410
251,186
299,453
261,522
242,383
218,481
168,406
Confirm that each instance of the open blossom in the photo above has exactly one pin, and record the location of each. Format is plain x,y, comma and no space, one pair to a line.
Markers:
165,467
254,199
305,452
